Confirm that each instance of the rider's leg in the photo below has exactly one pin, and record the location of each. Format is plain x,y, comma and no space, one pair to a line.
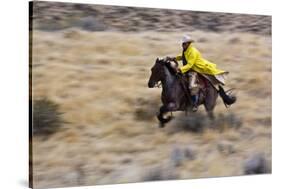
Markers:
193,86
194,99
195,102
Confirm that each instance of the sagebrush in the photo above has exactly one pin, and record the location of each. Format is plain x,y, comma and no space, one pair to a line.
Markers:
47,117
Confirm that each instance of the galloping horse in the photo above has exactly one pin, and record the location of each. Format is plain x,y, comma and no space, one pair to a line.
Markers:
176,95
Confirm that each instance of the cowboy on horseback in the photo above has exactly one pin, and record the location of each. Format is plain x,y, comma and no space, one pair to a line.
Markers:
194,63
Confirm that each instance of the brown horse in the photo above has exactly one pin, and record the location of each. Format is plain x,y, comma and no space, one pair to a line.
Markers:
176,95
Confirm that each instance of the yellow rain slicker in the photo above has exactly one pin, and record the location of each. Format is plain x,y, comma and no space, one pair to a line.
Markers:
197,63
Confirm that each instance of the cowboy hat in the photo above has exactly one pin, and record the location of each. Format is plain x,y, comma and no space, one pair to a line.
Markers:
186,39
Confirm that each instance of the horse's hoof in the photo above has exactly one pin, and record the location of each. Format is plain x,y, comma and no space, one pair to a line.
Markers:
159,117
169,118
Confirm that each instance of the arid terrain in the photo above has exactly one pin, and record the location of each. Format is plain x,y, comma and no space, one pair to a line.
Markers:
98,77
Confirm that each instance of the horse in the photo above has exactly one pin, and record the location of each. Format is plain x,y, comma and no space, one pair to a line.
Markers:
175,94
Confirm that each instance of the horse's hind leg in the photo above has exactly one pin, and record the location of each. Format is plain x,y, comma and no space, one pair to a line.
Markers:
210,102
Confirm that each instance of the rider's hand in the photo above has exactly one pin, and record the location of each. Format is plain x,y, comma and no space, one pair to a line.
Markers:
178,71
170,58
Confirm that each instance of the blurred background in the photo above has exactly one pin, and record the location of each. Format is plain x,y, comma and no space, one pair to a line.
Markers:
94,117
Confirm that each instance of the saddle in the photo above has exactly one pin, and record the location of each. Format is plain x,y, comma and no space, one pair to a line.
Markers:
202,83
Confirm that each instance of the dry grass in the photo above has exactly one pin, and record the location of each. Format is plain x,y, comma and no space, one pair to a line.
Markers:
99,79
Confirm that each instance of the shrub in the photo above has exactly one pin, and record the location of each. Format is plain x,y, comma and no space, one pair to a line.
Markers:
46,117
256,164
197,122
159,173
193,122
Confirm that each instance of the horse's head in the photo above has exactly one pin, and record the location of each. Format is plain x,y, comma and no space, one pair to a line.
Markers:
157,73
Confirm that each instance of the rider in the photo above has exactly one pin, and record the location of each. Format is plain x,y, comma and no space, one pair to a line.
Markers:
194,63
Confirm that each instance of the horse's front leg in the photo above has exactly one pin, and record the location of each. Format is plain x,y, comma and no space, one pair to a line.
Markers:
211,115
164,109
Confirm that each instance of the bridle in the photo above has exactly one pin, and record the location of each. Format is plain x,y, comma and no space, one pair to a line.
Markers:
158,84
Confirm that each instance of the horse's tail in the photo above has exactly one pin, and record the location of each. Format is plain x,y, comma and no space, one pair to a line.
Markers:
228,99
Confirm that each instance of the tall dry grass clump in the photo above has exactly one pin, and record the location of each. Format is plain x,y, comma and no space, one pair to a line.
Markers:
47,117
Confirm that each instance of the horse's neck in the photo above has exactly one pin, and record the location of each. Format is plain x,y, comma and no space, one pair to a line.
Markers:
168,80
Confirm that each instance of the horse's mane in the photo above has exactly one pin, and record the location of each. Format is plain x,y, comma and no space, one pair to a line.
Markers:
168,65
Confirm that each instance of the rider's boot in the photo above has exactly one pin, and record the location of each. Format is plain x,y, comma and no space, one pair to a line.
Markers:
194,102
